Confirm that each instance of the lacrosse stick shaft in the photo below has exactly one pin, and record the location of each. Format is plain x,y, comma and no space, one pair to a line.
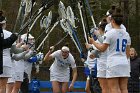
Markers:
61,40
91,15
85,35
34,22
47,35
20,13
74,37
86,18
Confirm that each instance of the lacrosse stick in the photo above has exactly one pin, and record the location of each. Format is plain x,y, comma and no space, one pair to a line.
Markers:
61,40
38,12
67,28
46,24
20,13
47,35
85,35
91,15
70,16
66,25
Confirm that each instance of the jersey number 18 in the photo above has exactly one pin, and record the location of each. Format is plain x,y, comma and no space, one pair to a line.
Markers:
123,47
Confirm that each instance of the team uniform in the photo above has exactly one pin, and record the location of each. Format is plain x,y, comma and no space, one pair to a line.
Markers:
19,66
28,69
59,70
117,63
101,64
108,27
7,63
91,65
12,79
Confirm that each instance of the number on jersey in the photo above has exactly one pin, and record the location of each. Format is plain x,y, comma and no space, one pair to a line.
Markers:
123,47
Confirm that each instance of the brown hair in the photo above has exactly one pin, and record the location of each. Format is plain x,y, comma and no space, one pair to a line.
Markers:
103,24
117,16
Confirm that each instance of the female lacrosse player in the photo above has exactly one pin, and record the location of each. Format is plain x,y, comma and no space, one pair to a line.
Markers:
102,60
7,39
90,67
59,70
108,18
118,43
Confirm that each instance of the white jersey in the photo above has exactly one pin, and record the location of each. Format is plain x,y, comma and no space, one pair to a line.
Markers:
60,66
108,27
6,52
101,63
117,39
19,66
91,62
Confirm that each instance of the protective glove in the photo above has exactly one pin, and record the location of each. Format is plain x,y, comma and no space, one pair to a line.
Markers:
85,64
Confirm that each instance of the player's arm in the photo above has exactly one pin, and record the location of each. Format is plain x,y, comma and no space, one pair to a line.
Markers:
101,47
128,51
74,73
48,56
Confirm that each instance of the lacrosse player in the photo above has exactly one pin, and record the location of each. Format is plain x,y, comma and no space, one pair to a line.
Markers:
118,42
59,70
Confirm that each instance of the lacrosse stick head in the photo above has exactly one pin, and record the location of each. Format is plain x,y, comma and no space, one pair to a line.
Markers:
65,26
70,16
46,21
62,10
41,22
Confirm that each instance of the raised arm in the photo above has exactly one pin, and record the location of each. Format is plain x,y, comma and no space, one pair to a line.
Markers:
48,55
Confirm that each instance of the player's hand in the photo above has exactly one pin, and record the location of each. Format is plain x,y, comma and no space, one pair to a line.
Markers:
71,87
91,40
88,45
25,47
51,48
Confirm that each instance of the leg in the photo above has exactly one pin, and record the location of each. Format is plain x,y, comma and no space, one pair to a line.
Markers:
123,84
16,87
87,89
9,87
104,85
3,82
113,84
56,86
64,87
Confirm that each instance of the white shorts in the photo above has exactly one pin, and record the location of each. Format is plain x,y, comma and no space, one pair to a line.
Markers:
6,72
101,70
11,79
118,71
19,76
59,78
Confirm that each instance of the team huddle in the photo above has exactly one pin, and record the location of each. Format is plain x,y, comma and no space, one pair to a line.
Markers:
107,57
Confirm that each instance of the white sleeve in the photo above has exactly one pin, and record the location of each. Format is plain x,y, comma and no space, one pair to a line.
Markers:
107,38
55,53
73,64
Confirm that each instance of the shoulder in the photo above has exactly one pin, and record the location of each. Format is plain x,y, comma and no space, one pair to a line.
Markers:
123,27
71,56
109,33
6,32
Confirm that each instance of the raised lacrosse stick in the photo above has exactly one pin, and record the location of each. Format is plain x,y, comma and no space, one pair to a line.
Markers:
85,35
37,13
67,25
47,35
